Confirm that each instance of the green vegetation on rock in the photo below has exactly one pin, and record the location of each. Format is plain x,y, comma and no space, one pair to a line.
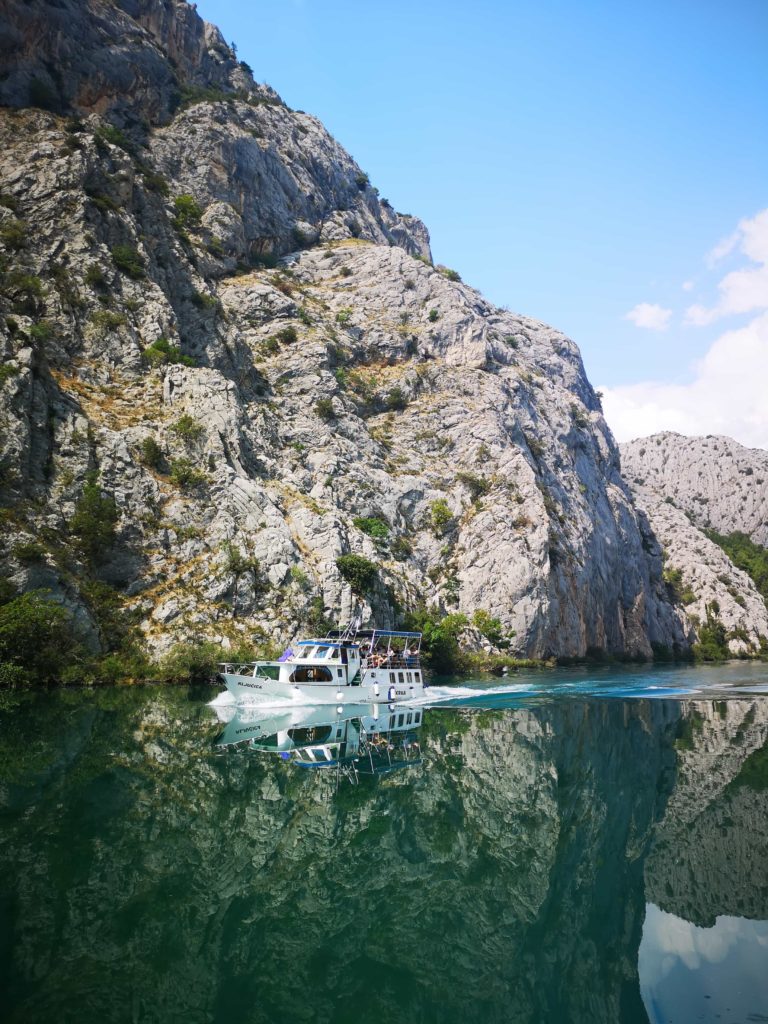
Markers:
745,555
94,520
128,259
373,526
359,572
162,351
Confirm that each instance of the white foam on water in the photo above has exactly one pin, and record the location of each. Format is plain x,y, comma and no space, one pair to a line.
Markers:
221,699
441,694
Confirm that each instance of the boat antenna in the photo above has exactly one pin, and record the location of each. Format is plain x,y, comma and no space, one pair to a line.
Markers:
353,625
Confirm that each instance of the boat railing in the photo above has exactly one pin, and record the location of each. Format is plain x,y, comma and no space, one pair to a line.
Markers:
385,661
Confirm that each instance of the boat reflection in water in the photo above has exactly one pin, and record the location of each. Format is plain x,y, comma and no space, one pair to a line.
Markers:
363,739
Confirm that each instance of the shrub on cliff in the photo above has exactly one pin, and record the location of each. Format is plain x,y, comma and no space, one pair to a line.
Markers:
185,475
14,233
490,627
440,641
358,572
713,637
128,260
162,351
373,526
188,429
439,516
195,662
93,524
36,640
187,212
324,409
745,555
151,454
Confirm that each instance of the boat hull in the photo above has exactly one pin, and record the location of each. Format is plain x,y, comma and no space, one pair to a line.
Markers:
260,690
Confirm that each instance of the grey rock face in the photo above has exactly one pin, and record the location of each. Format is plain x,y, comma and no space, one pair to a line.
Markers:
684,483
722,484
354,382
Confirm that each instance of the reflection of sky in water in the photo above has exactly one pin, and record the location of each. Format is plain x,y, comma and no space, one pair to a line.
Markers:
691,974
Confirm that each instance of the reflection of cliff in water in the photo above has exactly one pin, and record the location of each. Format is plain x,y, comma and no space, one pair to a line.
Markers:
709,856
504,880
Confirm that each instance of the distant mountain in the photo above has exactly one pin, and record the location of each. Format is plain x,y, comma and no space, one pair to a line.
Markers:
719,482
698,492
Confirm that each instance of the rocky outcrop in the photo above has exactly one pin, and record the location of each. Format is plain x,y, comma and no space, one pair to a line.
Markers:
719,483
256,420
684,485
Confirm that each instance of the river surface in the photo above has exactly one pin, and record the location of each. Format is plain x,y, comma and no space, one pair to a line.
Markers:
564,846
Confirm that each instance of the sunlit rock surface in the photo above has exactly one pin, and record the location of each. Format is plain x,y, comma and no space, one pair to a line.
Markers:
685,485
355,381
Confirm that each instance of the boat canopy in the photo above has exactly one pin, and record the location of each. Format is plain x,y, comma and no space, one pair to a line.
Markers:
369,634
324,643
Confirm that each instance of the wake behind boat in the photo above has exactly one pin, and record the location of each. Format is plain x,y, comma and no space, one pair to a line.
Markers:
347,666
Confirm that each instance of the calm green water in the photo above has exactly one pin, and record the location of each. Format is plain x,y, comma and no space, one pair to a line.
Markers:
581,847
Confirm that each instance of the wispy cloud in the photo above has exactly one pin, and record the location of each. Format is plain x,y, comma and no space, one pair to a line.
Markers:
726,395
649,316
746,289
727,392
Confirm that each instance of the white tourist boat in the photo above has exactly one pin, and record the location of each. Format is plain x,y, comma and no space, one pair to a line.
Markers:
350,666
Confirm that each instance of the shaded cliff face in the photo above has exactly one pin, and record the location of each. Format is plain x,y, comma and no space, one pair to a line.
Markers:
504,875
355,382
687,484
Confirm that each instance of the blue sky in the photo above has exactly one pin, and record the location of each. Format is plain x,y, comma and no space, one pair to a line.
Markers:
571,160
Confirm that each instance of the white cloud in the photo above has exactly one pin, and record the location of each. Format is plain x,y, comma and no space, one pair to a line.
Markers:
744,290
650,316
687,286
726,396
723,248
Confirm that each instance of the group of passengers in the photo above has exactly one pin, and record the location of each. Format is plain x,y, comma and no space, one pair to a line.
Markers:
379,657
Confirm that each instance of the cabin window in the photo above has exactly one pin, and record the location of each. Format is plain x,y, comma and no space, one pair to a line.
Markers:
391,721
400,677
311,674
409,719
400,719
392,677
321,652
417,676
335,653
340,672
417,717
310,734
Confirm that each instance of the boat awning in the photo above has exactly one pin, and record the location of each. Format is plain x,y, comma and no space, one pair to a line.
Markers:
367,634
324,643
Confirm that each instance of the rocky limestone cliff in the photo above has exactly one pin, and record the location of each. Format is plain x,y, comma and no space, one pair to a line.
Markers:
719,482
252,418
688,484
